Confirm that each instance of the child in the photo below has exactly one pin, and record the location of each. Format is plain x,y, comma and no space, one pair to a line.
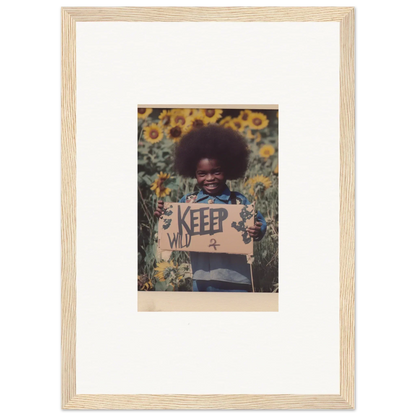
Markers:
213,155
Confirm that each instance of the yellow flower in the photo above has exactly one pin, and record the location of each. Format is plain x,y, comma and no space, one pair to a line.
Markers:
147,286
266,151
191,112
258,121
250,135
244,116
276,170
258,184
175,132
153,133
159,187
179,116
225,121
211,115
164,118
143,112
167,270
277,113
195,122
163,269
236,124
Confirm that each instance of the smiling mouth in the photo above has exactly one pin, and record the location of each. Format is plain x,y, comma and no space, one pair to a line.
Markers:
211,186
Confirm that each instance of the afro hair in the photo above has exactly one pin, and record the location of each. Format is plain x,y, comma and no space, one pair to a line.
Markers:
212,142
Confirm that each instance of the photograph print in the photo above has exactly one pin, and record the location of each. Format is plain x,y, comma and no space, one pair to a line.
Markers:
208,200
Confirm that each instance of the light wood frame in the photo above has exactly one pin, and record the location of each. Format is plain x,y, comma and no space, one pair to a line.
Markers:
346,398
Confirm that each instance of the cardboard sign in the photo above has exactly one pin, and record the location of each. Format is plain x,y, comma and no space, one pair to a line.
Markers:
210,228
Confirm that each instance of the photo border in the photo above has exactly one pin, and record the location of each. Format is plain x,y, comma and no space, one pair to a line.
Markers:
155,301
346,398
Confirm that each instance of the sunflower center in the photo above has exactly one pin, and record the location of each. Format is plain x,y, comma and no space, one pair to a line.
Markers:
259,186
175,132
180,119
256,121
165,120
238,124
210,113
154,134
159,183
198,123
141,110
169,272
244,116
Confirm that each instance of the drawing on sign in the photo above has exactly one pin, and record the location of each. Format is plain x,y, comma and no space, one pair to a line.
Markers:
213,243
166,221
245,215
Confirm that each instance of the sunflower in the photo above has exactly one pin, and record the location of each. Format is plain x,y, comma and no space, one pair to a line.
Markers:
250,135
143,112
277,113
258,184
225,121
179,116
164,270
258,121
175,132
159,187
195,122
256,137
191,112
147,286
244,116
266,151
236,124
167,270
211,115
153,133
164,118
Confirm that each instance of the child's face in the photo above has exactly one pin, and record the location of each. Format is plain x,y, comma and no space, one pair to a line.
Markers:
210,176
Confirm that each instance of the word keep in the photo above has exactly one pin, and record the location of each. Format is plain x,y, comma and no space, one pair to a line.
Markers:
201,221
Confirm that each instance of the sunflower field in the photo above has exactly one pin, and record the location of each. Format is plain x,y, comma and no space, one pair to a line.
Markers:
159,130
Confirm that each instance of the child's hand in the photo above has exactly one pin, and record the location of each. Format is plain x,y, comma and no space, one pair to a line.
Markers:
159,209
254,232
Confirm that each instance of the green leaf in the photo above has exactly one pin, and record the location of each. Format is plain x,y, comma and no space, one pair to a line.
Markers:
160,166
161,286
147,180
172,185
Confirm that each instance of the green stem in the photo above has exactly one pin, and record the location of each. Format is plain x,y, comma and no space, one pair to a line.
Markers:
146,211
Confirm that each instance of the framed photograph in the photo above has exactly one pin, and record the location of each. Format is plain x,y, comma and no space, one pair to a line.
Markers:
208,208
